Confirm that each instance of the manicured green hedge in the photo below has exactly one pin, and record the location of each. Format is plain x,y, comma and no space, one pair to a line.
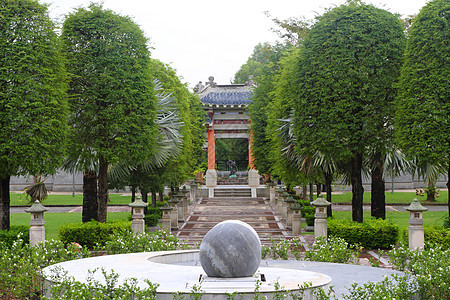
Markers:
308,213
372,234
437,235
10,236
90,233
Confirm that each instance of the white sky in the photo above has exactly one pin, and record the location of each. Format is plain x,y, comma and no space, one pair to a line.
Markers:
201,38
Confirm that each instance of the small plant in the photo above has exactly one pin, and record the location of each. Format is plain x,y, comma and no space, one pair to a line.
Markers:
335,250
69,288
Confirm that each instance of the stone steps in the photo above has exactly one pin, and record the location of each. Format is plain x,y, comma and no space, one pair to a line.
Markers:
210,211
230,193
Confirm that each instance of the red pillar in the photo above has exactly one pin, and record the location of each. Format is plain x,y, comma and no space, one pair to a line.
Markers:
211,147
250,155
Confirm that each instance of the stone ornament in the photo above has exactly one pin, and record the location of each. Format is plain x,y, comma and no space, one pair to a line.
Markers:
230,249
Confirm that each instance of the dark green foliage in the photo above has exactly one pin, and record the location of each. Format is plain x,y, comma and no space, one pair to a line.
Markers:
372,234
10,236
422,107
437,235
263,95
152,216
90,233
447,222
33,104
347,70
111,93
308,213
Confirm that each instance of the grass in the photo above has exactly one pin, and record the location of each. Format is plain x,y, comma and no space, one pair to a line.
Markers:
396,197
54,220
24,200
399,218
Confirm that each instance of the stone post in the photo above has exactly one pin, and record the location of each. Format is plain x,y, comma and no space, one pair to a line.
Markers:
289,201
137,215
284,205
180,197
37,229
296,218
166,217
185,192
320,223
174,213
279,199
193,192
271,193
415,229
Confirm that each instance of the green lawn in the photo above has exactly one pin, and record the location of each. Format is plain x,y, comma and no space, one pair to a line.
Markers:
399,218
22,199
396,197
54,220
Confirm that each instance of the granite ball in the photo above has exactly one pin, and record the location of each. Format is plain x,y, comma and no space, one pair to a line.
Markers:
230,249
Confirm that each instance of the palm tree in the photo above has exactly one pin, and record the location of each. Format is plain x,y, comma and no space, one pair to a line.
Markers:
169,145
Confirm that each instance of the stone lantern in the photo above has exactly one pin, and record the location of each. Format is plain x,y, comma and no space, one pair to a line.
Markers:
320,223
180,197
296,218
174,213
284,206
288,202
166,217
272,196
415,229
193,192
37,229
137,215
279,199
185,192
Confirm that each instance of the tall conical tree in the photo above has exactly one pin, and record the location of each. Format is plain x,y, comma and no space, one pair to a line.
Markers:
111,92
33,104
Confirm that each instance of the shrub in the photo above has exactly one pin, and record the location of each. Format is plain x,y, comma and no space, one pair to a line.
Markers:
308,213
437,235
430,267
125,242
151,220
10,236
447,222
372,234
334,250
90,233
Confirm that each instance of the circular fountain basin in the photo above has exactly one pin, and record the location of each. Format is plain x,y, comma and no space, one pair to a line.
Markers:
180,272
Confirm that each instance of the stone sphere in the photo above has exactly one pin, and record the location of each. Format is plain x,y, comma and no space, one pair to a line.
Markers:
230,249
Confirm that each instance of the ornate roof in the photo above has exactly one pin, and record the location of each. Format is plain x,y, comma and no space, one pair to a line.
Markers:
231,94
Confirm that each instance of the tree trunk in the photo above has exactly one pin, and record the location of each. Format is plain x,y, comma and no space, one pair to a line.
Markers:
161,196
102,190
4,203
378,196
305,192
328,182
357,188
430,196
153,198
133,193
311,193
90,204
318,189
144,194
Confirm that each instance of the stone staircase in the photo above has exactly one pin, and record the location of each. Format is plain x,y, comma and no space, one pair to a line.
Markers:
232,193
236,205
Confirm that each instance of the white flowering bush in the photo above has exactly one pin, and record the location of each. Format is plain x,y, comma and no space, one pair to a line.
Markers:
21,265
430,267
335,250
124,241
68,288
